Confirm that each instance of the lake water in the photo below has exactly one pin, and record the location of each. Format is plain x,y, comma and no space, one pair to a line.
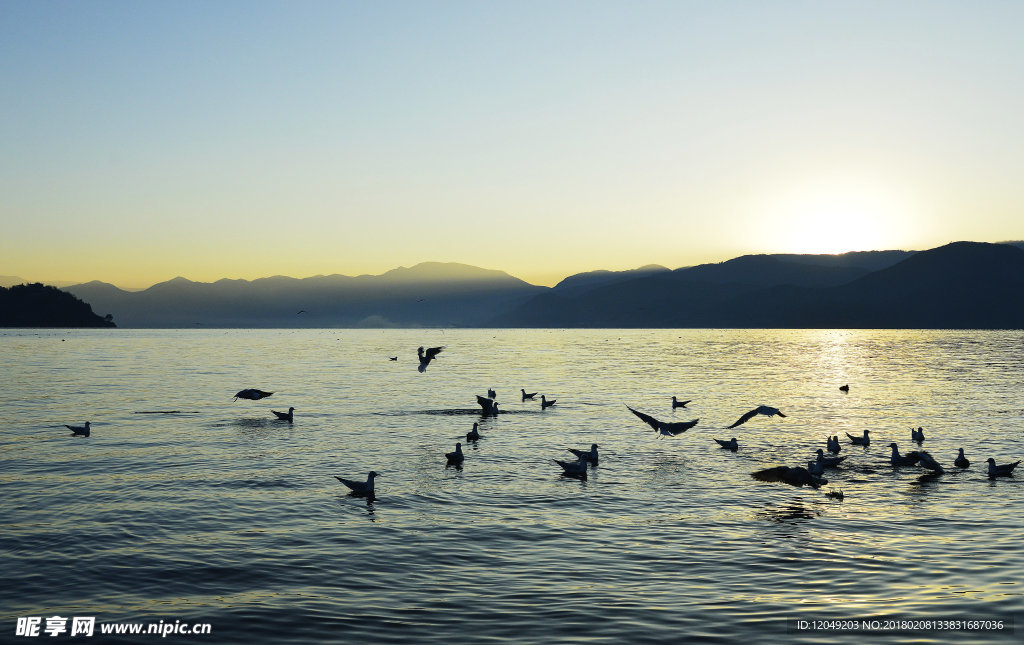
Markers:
219,514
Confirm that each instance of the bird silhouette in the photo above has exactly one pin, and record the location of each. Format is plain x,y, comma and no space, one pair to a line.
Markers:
79,431
489,405
252,394
766,410
896,459
917,435
961,461
544,403
473,434
1002,470
844,388
794,476
663,427
284,416
427,356
589,455
574,468
728,445
676,403
360,489
860,441
527,396
455,458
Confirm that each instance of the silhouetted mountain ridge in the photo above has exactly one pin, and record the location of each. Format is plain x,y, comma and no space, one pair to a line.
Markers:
38,305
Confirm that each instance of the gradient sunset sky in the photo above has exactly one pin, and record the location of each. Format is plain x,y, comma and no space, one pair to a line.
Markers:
145,140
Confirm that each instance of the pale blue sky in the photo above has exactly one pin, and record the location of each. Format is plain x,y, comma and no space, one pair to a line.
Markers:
144,140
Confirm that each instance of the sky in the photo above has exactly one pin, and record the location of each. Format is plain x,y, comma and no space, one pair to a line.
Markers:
144,140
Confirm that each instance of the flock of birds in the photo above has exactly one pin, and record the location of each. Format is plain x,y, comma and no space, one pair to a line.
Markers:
812,475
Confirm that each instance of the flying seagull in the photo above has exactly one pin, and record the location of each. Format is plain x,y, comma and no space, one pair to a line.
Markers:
860,441
426,357
252,394
896,459
79,431
796,476
574,468
489,405
728,445
527,396
663,427
360,489
1002,470
961,461
766,410
676,403
589,455
473,434
455,458
284,416
544,403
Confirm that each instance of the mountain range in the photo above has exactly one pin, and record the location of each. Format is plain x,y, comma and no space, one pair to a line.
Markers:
959,285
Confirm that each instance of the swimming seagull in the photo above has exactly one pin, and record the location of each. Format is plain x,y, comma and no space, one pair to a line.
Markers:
896,459
527,396
491,394
860,441
1002,470
473,435
844,388
665,428
455,458
589,455
544,403
728,445
829,462
574,468
360,489
79,431
677,403
796,476
761,409
833,445
490,406
426,357
284,416
961,461
917,435
392,358
252,394
926,461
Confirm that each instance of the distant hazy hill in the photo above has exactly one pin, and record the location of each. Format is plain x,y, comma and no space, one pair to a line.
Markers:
592,279
428,294
37,305
960,285
11,280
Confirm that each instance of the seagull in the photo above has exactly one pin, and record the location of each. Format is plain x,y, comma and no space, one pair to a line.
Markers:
252,394
677,403
665,428
926,461
897,459
574,468
796,476
829,462
844,388
392,358
455,458
79,431
1002,470
300,311
490,406
761,409
961,461
816,468
917,435
284,416
833,445
860,441
728,445
473,435
360,489
491,394
589,455
527,396
426,357
544,403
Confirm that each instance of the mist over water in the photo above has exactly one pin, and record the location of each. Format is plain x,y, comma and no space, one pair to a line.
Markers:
186,505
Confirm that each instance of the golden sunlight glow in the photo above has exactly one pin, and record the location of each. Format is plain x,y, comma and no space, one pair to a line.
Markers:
835,216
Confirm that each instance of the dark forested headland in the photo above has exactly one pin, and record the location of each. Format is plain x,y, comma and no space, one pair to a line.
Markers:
38,305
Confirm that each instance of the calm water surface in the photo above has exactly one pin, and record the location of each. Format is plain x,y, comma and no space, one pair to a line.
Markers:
218,513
